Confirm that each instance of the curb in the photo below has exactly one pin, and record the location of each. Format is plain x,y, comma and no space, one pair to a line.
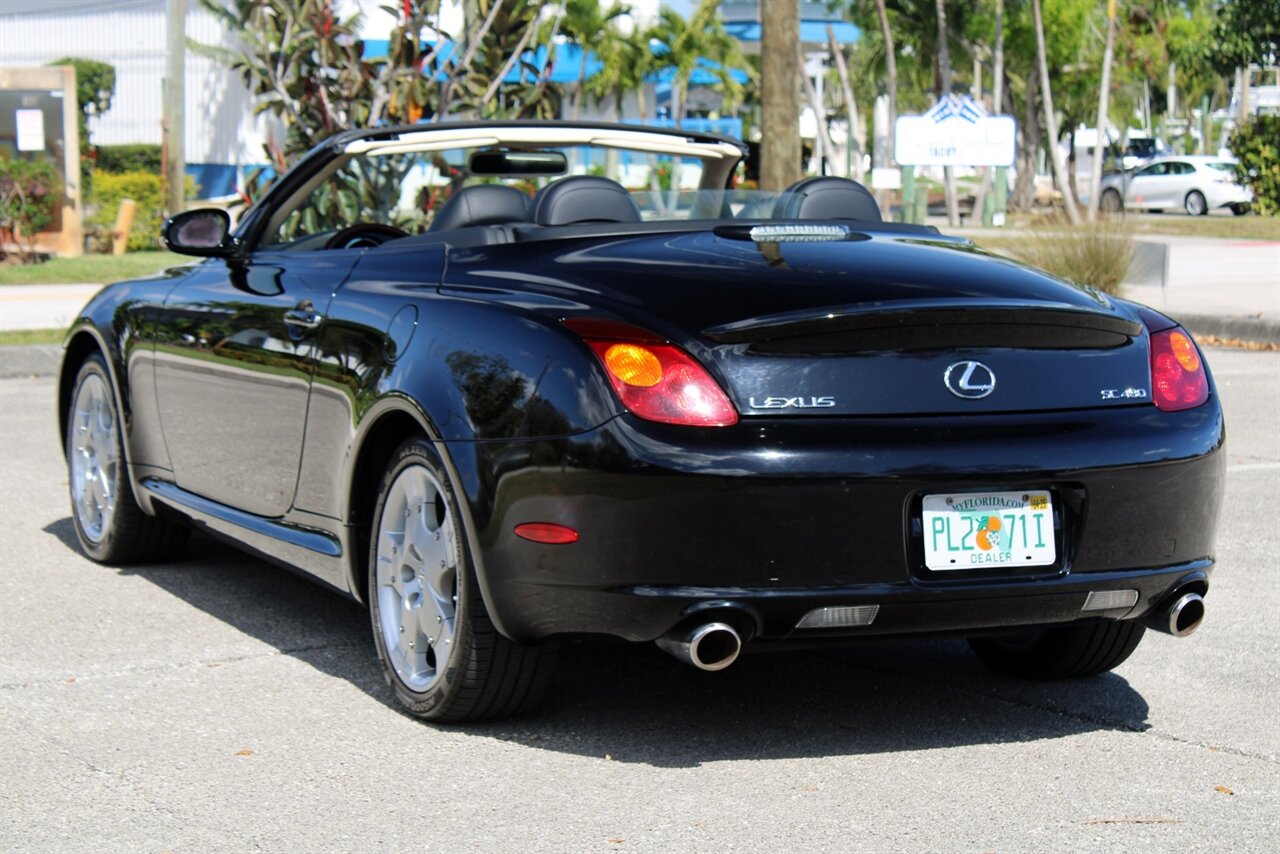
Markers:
30,360
1264,331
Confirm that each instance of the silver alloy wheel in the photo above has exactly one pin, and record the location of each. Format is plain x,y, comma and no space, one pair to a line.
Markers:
95,458
1195,204
417,577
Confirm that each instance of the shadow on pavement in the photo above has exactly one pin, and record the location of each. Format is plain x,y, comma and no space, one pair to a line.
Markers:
633,703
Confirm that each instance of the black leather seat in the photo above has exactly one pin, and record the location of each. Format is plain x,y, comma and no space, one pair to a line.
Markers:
583,198
482,204
827,197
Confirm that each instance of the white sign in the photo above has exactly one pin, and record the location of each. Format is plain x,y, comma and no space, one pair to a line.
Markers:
955,132
30,129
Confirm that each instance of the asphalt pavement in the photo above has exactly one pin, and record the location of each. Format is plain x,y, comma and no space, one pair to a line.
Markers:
218,703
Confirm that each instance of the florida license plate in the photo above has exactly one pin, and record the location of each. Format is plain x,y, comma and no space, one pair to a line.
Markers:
988,530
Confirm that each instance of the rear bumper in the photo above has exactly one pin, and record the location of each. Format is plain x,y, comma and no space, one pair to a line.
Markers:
776,518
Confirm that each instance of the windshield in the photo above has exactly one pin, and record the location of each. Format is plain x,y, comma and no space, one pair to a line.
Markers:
405,190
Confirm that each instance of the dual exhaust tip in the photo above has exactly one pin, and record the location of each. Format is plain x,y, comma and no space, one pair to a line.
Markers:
709,646
1181,617
716,645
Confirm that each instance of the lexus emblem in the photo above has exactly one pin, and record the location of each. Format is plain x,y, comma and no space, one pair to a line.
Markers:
970,380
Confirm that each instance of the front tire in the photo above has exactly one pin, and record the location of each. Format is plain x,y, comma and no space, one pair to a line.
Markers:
1061,652
1110,201
439,650
1194,204
110,526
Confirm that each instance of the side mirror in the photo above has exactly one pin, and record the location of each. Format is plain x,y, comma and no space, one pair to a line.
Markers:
205,232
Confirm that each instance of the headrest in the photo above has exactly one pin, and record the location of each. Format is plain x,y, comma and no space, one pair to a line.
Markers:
583,198
827,197
482,204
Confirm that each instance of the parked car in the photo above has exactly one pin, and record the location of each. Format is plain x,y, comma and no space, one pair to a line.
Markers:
737,419
1197,184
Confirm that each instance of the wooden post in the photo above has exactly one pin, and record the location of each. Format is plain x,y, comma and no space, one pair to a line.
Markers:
174,107
907,210
124,225
1002,195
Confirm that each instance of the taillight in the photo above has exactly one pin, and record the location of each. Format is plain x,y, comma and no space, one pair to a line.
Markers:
656,381
1178,380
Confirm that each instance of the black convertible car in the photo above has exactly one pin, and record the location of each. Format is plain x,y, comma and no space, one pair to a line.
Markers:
452,373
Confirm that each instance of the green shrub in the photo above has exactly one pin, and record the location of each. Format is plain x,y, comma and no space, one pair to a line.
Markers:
146,189
141,157
1256,144
30,192
1096,254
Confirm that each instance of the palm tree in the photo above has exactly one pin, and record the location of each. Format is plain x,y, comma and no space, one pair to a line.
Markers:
1100,138
680,45
589,26
1051,120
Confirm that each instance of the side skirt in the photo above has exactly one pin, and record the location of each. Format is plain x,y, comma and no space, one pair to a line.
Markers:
315,552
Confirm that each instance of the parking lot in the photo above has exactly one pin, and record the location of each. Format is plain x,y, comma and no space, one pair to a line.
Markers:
219,703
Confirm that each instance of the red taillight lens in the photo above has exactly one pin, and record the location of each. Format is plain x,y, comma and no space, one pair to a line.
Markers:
663,383
655,380
1178,380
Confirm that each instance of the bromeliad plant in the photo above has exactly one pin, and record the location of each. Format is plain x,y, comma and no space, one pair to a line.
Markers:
30,192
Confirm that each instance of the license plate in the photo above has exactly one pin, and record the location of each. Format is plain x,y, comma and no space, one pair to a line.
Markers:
988,530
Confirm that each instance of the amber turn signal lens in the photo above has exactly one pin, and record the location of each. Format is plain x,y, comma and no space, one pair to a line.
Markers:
1184,351
634,365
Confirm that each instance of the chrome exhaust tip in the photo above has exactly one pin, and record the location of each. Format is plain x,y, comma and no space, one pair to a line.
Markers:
1181,618
710,646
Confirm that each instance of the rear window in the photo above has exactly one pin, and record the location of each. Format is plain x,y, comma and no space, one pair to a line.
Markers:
1222,166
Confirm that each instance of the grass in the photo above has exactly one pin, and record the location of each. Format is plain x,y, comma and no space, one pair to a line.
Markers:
94,269
16,337
1096,254
1250,227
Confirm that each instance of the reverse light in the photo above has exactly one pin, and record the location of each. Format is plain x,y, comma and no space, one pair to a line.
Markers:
655,380
1178,379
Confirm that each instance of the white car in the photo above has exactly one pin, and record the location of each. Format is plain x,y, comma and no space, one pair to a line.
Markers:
1197,184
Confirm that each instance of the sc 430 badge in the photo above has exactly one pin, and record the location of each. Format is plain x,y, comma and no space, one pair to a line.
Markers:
792,403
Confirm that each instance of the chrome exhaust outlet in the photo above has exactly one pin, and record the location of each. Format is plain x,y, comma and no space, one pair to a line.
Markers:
710,646
1181,618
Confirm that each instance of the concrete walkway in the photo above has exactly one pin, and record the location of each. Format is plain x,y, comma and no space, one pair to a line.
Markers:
42,306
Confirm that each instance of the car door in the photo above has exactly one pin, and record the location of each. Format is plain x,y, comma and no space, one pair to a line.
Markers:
234,359
1148,187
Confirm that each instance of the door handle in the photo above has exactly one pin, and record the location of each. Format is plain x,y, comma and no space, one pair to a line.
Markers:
303,315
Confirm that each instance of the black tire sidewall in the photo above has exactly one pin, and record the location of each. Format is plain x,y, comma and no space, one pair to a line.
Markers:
436,700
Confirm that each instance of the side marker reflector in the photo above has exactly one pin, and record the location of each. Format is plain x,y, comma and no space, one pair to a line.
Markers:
838,618
1106,600
547,532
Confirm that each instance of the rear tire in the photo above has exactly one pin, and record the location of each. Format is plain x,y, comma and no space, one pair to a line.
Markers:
1194,204
1239,210
1061,652
110,526
440,652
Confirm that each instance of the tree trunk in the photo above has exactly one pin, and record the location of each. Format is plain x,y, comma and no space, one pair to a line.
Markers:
1051,120
779,84
832,152
857,133
997,107
944,66
1024,188
1102,138
891,72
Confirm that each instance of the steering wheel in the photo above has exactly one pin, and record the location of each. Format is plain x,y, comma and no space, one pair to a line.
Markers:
364,235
